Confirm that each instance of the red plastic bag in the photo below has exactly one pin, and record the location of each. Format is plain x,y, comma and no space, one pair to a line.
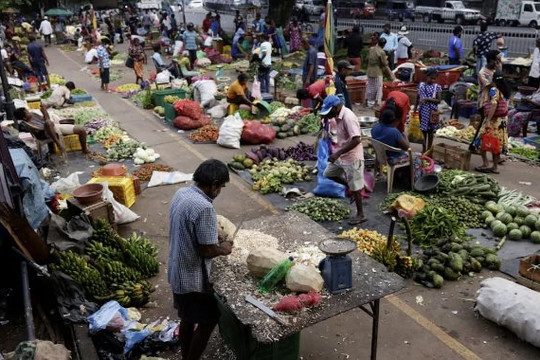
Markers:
187,123
189,108
255,133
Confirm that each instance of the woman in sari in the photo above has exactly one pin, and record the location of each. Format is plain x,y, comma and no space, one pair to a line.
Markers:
136,52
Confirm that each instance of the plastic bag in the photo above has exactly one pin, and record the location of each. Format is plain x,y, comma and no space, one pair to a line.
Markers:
255,133
408,204
178,45
67,184
218,111
122,214
256,89
189,108
325,186
512,306
135,337
207,89
414,133
163,77
231,131
168,178
109,316
304,278
187,123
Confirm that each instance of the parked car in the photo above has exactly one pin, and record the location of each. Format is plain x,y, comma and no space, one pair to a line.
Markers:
195,4
399,10
312,7
440,11
354,9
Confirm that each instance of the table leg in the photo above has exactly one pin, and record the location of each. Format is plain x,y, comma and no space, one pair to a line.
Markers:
375,329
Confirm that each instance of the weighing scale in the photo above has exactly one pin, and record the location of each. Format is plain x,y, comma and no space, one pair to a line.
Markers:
336,267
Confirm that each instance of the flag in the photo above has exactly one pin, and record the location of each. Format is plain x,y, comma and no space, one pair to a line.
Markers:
94,19
329,36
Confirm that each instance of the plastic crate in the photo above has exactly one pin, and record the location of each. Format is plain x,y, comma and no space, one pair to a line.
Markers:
357,91
239,339
34,104
158,97
170,113
388,87
121,186
447,78
533,140
81,98
71,142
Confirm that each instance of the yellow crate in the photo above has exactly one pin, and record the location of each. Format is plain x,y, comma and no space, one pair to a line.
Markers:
71,142
34,105
121,187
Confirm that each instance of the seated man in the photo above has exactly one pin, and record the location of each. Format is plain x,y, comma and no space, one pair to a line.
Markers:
60,96
237,93
160,65
386,132
52,129
315,92
401,106
91,56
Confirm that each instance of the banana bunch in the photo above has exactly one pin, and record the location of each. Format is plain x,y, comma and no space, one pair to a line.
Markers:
140,254
105,234
115,272
78,269
98,251
132,293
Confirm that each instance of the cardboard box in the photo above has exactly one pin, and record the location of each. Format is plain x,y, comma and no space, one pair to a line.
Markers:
453,157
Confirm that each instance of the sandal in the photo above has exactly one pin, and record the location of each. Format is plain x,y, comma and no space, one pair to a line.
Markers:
494,171
483,170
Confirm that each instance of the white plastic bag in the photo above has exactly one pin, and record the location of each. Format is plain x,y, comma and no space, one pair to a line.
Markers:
122,214
178,45
207,90
256,89
511,305
168,178
208,41
111,314
218,112
163,77
67,184
230,132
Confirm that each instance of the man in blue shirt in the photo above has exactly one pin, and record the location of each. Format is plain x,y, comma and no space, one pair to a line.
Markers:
258,24
455,47
391,45
193,243
309,69
38,60
190,37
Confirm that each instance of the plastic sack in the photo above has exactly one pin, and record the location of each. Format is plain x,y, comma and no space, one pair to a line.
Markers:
256,89
408,204
189,108
325,186
168,178
163,77
512,306
207,90
122,214
178,45
304,278
67,184
255,133
231,131
414,133
187,123
369,180
218,111
111,316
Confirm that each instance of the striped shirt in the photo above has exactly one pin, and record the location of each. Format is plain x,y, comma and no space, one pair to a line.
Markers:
190,39
193,222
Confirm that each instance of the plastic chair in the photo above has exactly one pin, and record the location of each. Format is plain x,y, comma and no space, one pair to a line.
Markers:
460,100
406,65
381,159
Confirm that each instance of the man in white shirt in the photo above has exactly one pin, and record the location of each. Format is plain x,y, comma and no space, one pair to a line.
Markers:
60,96
265,55
404,46
91,56
534,74
45,28
391,45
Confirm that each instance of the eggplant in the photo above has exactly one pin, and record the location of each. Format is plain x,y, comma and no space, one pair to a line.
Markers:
251,155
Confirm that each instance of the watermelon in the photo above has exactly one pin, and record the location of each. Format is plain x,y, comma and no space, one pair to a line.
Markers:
519,220
511,210
495,223
535,237
537,225
486,214
515,235
512,226
494,208
489,220
530,221
525,231
506,218
523,211
499,230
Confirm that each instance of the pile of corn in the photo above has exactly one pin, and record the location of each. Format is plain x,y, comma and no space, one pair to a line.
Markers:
367,241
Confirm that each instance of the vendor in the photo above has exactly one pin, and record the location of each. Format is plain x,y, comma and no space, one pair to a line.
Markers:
344,68
60,96
315,92
402,106
185,66
52,129
518,118
237,93
160,65
193,243
534,74
386,131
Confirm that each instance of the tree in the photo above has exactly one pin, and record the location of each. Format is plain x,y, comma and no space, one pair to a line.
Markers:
280,11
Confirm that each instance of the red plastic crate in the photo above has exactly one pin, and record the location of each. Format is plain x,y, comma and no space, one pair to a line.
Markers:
447,78
388,87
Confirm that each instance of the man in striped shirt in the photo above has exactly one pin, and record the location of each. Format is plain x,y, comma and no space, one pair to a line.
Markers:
193,242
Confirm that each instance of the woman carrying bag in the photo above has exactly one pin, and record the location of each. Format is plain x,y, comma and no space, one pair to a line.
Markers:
427,105
136,52
493,135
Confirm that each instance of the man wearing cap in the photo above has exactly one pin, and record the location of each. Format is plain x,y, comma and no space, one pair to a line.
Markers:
455,47
391,45
346,165
343,69
190,37
46,30
404,49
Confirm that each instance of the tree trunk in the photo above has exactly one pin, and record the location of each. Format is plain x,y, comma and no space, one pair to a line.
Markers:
280,10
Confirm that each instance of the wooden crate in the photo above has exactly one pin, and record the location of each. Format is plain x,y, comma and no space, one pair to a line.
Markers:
357,91
99,210
527,269
453,157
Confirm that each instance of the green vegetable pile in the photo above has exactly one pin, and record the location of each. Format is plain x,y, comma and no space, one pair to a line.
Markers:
469,214
46,94
246,114
274,105
122,149
322,209
531,154
516,222
78,92
138,98
449,260
477,188
269,175
310,123
83,117
105,132
434,223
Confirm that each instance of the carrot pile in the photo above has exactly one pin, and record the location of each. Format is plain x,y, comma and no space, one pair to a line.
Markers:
144,172
205,133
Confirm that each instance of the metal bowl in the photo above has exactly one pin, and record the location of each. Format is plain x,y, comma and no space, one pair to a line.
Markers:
337,246
113,169
526,90
426,183
88,194
367,120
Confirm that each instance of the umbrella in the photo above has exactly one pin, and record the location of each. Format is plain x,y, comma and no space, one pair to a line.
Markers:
58,12
329,35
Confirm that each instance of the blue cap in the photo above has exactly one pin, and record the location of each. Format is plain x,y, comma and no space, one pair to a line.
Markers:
329,102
